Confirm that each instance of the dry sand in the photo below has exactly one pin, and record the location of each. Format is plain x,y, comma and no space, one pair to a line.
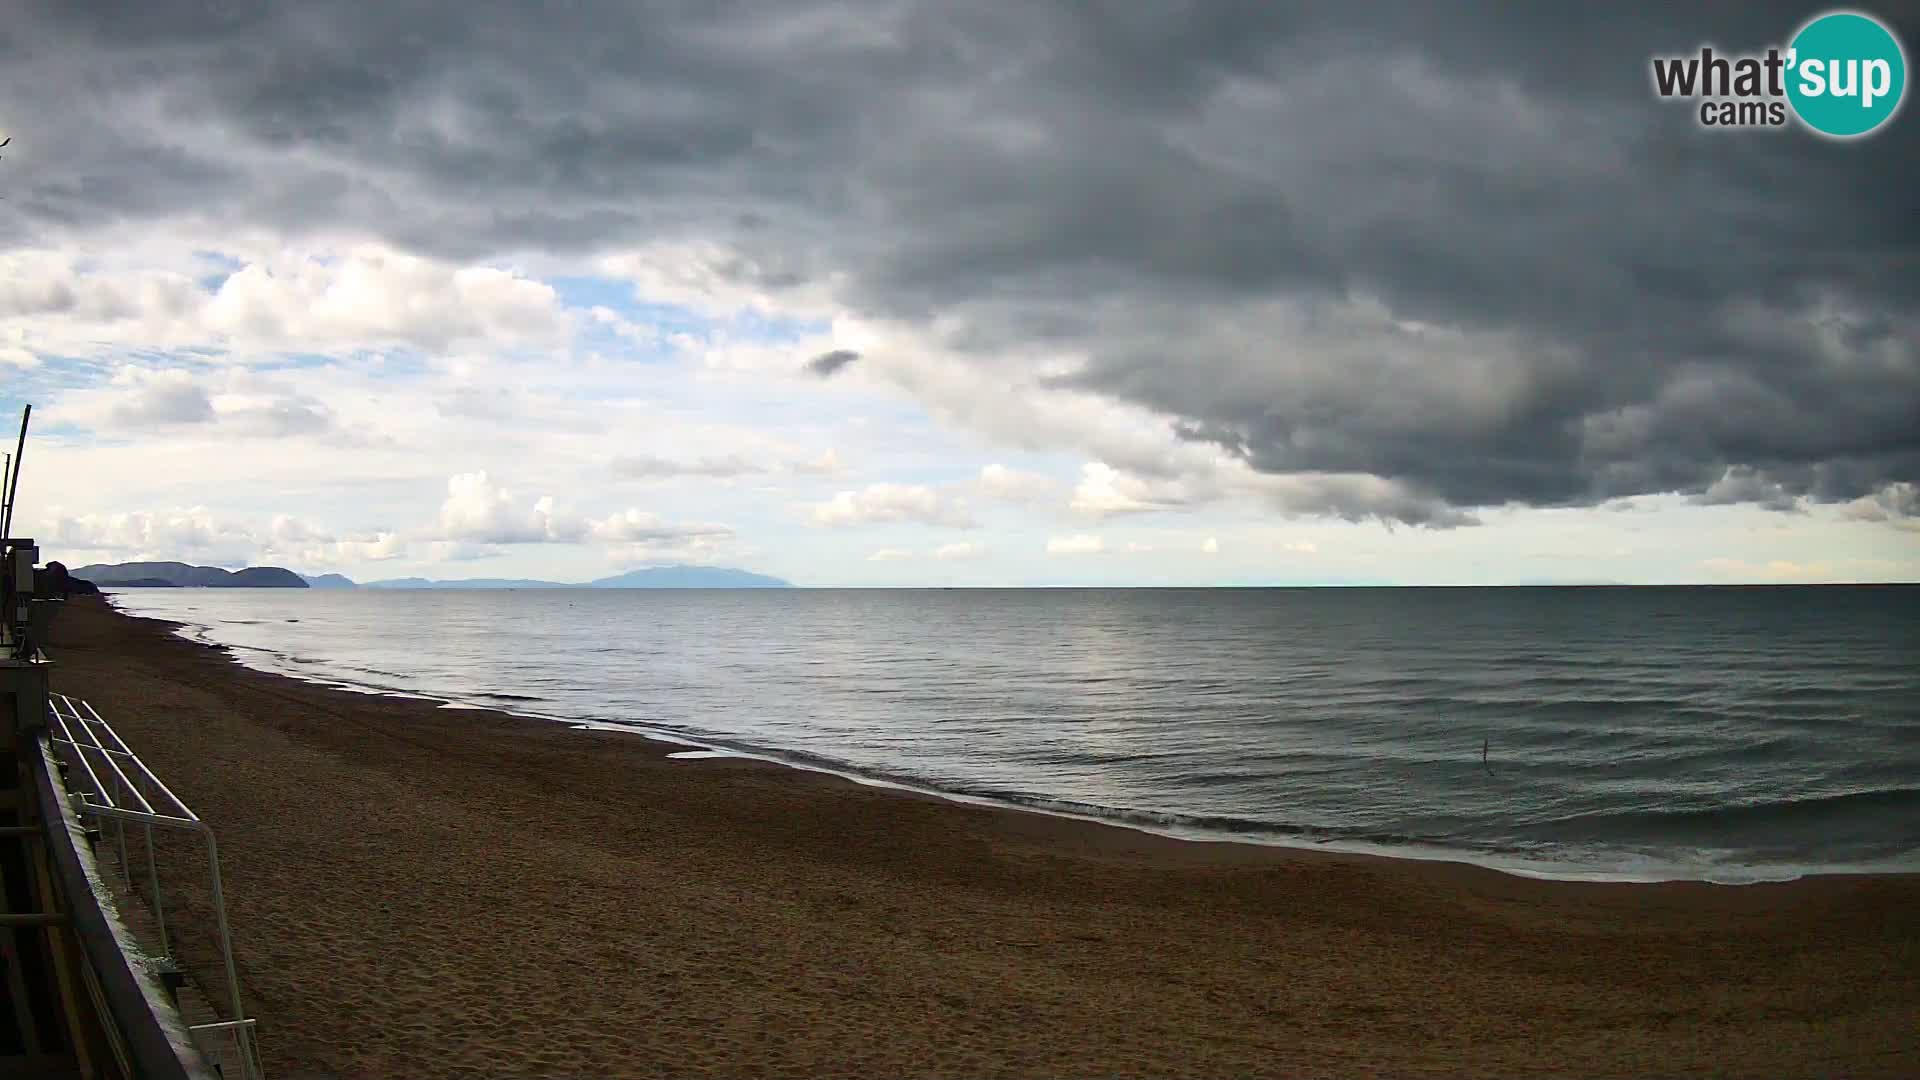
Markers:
418,892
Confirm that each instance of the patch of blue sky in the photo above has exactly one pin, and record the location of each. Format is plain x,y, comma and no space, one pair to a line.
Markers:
58,432
42,384
215,269
757,327
307,361
10,406
587,292
389,363
188,357
595,336
40,387
746,325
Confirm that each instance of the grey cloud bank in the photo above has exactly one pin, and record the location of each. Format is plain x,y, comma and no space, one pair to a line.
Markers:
1462,249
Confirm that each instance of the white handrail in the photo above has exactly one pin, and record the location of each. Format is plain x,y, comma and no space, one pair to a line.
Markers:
100,803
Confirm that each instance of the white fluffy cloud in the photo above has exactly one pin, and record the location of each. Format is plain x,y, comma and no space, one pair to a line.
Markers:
892,503
1080,544
197,534
331,552
159,398
375,296
477,516
644,527
1105,491
445,551
142,536
478,510
724,466
302,544
366,297
379,547
1012,485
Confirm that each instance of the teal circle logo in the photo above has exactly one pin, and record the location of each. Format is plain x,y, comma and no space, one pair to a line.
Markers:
1846,74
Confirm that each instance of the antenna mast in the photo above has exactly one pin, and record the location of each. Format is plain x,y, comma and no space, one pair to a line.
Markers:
13,474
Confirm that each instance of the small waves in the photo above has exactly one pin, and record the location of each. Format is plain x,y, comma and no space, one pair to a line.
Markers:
1673,733
1886,810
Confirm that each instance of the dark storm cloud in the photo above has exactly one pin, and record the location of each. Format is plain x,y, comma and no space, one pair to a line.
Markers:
829,364
1464,249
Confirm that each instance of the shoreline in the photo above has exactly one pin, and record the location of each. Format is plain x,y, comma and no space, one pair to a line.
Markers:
283,666
436,892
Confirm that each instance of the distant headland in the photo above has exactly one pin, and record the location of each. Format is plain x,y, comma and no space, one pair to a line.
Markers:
150,575
139,575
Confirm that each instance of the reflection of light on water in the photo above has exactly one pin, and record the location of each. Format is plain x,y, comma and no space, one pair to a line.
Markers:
1353,722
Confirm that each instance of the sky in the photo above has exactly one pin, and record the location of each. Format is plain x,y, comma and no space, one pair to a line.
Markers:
921,293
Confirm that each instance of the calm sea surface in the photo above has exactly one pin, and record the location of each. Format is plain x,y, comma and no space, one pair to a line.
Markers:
1727,734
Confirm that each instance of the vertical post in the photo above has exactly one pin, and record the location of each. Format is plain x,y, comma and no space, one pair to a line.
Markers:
120,833
159,905
226,941
66,960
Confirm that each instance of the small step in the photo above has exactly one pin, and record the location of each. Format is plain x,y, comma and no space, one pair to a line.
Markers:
169,973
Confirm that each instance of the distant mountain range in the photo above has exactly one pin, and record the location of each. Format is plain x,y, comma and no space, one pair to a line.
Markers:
159,575
652,577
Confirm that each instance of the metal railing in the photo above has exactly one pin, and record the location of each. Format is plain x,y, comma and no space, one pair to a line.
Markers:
113,785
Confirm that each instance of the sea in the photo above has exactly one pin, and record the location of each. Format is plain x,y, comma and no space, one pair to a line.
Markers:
1724,734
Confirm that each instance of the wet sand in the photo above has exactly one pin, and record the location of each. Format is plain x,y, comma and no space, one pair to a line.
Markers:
421,892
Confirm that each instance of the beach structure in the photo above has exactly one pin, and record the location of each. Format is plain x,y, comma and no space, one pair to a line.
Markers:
89,988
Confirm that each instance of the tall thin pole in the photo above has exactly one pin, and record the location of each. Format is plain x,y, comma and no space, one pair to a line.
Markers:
13,481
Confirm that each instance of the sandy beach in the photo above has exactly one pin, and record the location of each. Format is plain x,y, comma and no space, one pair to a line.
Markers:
423,892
